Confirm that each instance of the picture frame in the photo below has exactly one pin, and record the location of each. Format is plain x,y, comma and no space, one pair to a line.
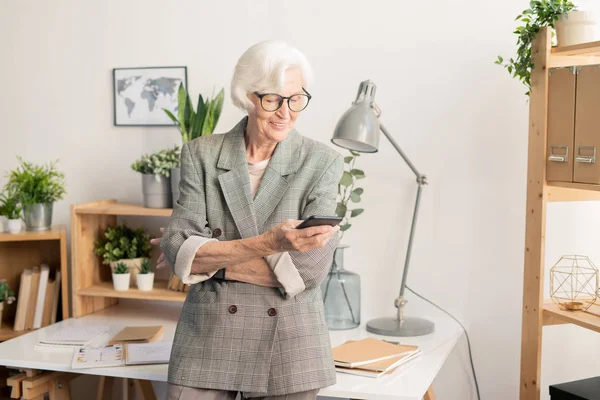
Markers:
140,94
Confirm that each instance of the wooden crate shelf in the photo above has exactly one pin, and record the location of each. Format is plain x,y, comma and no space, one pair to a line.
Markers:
591,49
114,208
160,292
92,286
566,191
589,319
26,236
25,250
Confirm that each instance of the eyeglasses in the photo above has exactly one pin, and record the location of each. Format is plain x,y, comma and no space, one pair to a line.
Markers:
272,102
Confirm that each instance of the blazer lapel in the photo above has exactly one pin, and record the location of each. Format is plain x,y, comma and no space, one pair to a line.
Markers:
273,185
235,184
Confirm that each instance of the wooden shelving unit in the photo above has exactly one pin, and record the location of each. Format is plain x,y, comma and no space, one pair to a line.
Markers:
538,312
92,286
28,249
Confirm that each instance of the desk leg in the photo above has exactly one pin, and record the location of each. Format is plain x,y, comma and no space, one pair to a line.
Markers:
15,383
37,383
145,389
105,388
430,395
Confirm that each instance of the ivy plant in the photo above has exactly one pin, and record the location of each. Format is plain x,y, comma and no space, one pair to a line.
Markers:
348,192
159,163
540,13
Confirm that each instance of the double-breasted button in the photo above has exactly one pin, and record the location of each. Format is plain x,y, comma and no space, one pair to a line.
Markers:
272,312
216,232
232,309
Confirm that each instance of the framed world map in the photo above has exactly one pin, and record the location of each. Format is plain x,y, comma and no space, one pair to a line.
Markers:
140,94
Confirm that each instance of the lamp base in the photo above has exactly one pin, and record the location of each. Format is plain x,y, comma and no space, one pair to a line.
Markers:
410,326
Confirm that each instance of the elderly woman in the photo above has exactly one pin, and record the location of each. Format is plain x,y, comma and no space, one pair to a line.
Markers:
253,318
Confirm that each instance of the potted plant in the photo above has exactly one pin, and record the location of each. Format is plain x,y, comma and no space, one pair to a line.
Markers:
341,288
6,295
122,244
11,209
541,13
575,27
120,277
193,124
156,169
145,279
36,188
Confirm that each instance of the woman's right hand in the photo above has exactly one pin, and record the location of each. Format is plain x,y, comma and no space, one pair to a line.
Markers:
285,236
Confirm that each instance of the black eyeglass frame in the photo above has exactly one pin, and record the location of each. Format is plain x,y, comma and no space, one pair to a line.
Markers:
260,96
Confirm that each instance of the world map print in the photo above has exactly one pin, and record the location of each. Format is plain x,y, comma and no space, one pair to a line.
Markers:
141,94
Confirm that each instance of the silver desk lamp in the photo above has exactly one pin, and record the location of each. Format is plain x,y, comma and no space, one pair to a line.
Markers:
358,130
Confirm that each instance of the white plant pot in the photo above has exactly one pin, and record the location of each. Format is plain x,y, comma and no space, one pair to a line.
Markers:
145,282
14,225
133,265
3,224
121,282
575,27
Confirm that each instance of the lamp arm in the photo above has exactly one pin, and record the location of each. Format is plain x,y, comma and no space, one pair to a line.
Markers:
421,181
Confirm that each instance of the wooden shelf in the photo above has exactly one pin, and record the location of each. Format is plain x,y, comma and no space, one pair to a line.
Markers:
7,332
25,236
160,292
566,191
583,49
589,319
114,208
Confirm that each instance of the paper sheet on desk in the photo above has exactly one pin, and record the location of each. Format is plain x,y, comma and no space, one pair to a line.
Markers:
149,353
72,337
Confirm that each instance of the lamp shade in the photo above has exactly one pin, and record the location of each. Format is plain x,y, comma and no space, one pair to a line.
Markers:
358,128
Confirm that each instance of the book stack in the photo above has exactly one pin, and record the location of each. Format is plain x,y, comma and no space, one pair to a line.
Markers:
37,301
372,357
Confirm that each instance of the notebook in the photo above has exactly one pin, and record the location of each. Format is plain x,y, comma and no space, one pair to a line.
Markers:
369,350
120,355
379,368
137,334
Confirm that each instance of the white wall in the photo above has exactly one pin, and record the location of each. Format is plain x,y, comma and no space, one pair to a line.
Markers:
461,119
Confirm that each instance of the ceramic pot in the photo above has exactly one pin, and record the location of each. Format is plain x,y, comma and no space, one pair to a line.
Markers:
121,282
145,282
575,27
14,225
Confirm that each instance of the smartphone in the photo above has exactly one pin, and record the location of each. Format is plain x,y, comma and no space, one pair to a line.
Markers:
317,220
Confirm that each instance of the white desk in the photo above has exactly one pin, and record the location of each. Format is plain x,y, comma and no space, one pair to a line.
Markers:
408,382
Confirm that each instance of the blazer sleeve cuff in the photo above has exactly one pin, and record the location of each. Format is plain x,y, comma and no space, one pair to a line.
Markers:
286,273
185,257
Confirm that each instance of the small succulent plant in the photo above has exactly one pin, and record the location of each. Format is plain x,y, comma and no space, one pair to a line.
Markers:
121,268
145,267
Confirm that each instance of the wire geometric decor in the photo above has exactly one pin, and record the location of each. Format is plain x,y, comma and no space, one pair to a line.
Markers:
574,283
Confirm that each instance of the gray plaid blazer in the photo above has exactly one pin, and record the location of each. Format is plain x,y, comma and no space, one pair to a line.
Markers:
266,345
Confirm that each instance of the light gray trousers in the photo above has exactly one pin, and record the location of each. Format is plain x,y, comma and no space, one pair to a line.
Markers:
177,392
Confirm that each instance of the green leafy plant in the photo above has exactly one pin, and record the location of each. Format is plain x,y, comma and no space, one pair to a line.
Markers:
122,242
10,206
121,268
5,293
347,192
145,267
193,124
540,13
159,163
32,184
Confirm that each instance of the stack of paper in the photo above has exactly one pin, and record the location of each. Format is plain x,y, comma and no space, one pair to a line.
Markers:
371,357
79,336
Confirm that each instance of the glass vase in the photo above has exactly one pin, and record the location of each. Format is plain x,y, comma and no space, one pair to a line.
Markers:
341,294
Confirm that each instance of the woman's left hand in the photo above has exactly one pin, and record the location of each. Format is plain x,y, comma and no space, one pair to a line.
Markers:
161,262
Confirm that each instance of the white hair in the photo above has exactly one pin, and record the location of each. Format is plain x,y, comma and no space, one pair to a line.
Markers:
261,69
